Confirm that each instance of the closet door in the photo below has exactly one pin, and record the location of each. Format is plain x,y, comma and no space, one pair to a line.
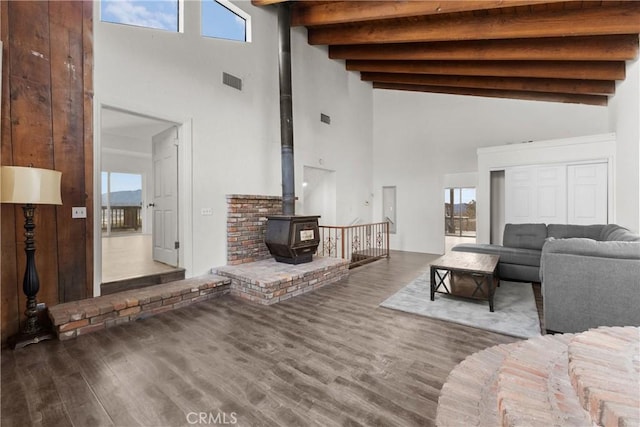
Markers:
587,198
551,194
536,194
519,195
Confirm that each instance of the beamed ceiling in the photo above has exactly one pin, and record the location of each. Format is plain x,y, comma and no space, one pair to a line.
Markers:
559,51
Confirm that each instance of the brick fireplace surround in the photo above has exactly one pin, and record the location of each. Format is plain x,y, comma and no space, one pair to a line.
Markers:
247,226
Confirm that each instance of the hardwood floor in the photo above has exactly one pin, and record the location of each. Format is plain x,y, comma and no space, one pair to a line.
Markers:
126,256
331,357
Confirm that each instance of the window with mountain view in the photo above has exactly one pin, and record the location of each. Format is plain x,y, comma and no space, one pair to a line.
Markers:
121,202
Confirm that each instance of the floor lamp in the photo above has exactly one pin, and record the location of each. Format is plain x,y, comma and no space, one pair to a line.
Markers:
29,187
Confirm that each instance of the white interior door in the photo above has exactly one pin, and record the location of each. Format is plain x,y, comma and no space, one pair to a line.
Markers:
551,194
587,185
165,197
536,194
519,205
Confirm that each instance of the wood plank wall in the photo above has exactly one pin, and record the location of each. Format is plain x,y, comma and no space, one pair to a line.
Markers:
47,121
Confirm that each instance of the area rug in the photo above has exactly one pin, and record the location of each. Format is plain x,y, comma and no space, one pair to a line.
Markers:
514,304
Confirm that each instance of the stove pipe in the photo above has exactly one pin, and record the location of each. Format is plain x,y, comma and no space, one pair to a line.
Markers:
286,109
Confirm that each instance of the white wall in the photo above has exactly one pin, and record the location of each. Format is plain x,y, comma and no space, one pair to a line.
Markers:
419,138
324,86
625,122
235,136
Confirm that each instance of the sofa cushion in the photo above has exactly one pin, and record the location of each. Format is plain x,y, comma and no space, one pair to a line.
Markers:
525,236
613,232
567,231
507,255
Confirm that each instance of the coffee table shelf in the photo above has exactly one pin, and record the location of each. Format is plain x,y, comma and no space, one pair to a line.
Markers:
470,275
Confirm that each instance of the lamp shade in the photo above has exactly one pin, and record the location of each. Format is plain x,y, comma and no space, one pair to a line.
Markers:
25,185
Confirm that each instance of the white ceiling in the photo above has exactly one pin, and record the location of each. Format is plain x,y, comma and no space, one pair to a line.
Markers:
121,123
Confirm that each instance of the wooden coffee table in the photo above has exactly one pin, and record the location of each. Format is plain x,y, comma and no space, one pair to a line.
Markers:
470,275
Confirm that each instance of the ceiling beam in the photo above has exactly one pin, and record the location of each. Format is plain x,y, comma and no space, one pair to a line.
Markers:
586,70
266,2
314,13
534,96
616,19
589,87
589,48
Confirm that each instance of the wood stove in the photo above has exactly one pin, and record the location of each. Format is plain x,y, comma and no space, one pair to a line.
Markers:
292,239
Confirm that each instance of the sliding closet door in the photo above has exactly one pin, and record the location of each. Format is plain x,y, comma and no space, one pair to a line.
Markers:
588,198
536,194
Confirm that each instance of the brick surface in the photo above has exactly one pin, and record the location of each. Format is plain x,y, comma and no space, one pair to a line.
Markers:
537,382
82,317
604,365
73,325
268,282
246,226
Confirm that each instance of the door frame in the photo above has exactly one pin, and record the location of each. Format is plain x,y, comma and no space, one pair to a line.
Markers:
185,183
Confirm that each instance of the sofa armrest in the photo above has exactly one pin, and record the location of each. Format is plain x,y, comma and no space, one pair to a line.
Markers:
589,247
586,284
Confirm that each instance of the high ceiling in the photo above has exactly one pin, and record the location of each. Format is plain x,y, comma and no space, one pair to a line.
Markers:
560,51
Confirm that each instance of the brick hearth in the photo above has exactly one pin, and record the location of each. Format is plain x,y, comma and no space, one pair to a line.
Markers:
76,318
268,282
591,378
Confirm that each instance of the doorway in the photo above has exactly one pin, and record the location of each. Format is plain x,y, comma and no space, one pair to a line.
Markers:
139,188
459,216
319,194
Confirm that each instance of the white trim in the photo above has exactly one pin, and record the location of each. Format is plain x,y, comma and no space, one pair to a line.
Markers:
536,145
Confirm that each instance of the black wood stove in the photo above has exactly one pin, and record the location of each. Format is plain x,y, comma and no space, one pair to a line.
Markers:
292,238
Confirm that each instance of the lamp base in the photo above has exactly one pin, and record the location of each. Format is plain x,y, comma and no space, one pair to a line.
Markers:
43,332
23,339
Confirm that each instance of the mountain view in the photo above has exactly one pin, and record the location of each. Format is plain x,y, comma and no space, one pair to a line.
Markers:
123,198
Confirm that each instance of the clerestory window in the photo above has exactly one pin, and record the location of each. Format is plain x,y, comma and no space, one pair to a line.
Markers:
160,15
223,20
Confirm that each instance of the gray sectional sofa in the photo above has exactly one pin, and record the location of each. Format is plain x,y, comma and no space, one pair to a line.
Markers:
590,274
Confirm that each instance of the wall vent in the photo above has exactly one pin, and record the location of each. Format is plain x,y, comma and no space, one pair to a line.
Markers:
324,118
233,81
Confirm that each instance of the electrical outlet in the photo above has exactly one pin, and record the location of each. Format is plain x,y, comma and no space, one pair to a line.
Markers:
78,212
206,211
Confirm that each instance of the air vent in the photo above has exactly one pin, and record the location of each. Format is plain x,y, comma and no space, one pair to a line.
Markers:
325,118
233,81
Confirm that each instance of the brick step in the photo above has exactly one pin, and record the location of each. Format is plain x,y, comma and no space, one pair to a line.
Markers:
76,318
469,396
604,367
534,387
592,378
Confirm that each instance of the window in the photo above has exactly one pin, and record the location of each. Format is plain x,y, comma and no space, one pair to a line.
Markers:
121,202
223,20
161,15
460,212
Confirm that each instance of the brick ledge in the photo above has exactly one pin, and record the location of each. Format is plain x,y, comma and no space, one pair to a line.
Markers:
81,317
